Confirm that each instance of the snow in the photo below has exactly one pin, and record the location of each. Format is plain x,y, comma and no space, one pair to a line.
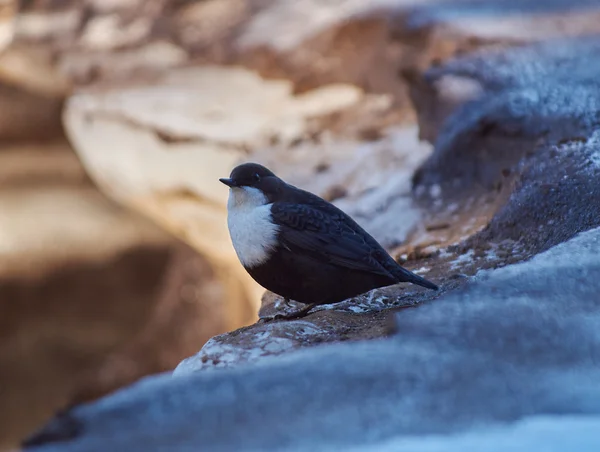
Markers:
507,362
550,434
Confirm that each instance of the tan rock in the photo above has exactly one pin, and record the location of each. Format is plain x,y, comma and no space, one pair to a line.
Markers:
69,261
161,148
92,296
8,12
158,141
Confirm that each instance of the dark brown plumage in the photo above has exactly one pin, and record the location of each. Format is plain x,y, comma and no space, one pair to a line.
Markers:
319,255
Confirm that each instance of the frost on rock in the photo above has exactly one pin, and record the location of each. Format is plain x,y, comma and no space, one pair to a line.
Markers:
373,301
258,341
462,259
249,345
590,146
510,358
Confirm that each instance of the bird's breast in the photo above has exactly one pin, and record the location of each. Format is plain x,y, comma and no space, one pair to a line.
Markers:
253,233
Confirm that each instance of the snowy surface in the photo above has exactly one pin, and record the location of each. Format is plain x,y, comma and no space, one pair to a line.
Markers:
509,362
268,339
548,434
591,146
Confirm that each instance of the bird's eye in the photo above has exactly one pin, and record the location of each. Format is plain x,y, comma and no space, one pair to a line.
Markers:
256,177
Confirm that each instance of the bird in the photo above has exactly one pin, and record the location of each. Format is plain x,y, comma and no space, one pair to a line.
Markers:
301,247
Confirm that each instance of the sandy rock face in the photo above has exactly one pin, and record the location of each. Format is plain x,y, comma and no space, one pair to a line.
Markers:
92,296
161,149
8,12
159,143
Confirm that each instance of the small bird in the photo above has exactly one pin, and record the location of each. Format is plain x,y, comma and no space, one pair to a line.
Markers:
301,247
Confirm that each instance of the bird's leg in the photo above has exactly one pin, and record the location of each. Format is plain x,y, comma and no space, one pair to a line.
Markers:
286,302
286,306
299,313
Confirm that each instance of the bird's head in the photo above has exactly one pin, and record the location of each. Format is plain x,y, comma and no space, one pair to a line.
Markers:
251,185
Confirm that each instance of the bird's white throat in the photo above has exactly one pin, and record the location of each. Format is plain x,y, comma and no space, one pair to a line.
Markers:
252,231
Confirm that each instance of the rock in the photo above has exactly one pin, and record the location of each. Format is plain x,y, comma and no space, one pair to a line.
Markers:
79,320
252,343
171,141
31,108
512,351
507,21
8,12
557,195
524,157
31,92
445,30
526,94
186,311
524,149
169,96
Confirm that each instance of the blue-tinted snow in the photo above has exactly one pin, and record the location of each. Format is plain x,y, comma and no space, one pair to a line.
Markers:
468,370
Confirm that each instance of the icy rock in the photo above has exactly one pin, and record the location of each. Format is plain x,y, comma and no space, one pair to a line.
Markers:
545,92
333,74
520,154
513,345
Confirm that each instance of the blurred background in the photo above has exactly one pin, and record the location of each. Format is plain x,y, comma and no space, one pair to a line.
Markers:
93,295
117,117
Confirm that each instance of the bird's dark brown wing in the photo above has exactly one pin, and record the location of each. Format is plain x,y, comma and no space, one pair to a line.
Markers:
327,235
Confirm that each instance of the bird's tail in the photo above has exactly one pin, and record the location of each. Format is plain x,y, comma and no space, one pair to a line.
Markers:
407,276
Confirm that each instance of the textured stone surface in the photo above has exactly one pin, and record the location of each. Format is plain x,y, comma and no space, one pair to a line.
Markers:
344,57
161,149
512,174
170,95
545,91
512,343
525,149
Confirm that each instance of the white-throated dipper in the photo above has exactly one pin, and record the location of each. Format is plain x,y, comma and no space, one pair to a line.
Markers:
301,247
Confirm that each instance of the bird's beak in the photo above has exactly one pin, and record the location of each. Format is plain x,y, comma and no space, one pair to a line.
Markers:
228,182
